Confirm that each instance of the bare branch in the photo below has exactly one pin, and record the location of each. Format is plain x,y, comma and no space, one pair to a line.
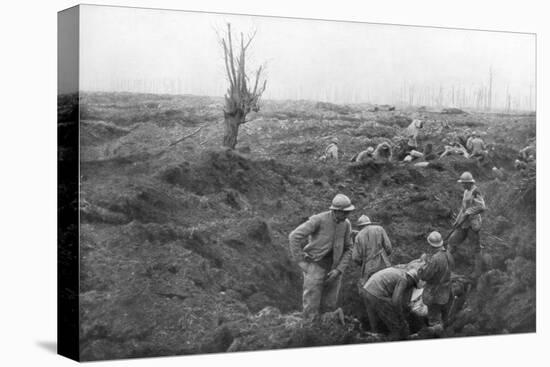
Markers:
226,63
250,38
185,137
231,58
258,73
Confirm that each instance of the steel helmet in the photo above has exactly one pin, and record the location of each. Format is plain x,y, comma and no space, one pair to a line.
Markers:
435,239
466,177
341,202
363,220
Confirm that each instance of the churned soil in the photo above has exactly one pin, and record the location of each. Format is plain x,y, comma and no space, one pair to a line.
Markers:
184,247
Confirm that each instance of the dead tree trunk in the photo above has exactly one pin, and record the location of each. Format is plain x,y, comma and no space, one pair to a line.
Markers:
240,98
232,124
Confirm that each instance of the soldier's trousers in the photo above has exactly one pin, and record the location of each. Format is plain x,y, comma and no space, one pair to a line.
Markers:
319,296
458,237
437,314
382,311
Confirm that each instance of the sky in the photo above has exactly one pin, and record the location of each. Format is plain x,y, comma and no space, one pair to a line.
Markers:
163,51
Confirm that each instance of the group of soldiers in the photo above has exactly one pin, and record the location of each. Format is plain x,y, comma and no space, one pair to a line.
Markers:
406,148
526,157
325,244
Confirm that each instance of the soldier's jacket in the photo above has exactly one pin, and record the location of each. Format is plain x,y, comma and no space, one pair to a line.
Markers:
371,250
363,156
476,145
529,153
412,132
472,207
320,235
331,151
382,152
437,275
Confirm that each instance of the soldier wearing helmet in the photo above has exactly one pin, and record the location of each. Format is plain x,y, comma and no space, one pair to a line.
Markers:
437,275
468,220
322,248
372,248
363,155
476,146
331,151
386,296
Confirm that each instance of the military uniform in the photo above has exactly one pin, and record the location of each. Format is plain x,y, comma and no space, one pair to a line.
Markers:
469,218
371,250
378,293
328,247
412,131
331,151
477,147
437,291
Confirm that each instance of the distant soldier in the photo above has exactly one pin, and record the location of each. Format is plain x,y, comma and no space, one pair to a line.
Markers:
476,146
401,147
437,275
528,154
454,149
382,152
412,131
372,248
331,151
386,296
463,137
322,248
499,173
364,155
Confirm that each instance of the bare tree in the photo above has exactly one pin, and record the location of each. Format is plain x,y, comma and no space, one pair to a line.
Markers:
241,98
490,90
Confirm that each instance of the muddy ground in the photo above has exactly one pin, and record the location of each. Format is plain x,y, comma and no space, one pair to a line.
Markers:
184,247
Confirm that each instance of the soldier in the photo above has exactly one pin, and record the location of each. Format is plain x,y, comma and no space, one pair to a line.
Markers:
322,248
331,151
364,155
528,154
476,146
412,132
468,220
372,248
382,152
386,296
437,275
454,148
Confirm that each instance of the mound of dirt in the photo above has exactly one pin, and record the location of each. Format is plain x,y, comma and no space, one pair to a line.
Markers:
394,120
452,111
340,109
227,169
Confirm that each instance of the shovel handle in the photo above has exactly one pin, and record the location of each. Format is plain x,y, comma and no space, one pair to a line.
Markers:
450,233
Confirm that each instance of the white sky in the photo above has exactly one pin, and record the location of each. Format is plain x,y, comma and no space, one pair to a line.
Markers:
162,51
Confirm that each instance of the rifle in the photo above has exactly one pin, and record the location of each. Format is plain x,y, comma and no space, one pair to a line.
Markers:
450,233
455,227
